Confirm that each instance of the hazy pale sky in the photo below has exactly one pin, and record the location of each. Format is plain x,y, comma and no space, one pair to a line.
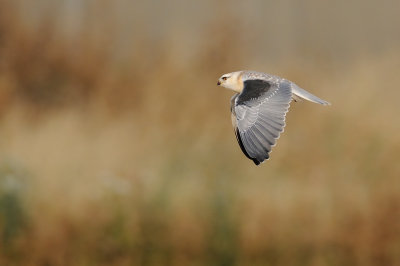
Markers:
268,29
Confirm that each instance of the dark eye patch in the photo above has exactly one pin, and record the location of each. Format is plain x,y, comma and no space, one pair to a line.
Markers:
224,78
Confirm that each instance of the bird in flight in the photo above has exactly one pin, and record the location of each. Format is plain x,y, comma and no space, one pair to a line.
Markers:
259,107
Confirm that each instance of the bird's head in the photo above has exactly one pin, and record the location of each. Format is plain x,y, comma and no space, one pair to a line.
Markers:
232,81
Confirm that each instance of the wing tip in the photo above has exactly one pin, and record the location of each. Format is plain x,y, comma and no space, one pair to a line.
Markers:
258,162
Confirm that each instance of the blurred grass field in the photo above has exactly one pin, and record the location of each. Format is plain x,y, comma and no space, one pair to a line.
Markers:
116,145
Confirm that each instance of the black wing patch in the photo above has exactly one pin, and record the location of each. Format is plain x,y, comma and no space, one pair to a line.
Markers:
253,89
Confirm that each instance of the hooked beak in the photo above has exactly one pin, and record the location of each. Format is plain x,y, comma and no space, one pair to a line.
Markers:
219,83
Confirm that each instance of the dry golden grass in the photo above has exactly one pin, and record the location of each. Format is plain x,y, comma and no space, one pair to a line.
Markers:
134,162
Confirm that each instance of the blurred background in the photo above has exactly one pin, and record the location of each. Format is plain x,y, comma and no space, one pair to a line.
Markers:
116,145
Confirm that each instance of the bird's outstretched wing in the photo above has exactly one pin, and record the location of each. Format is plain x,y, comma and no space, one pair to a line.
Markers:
258,116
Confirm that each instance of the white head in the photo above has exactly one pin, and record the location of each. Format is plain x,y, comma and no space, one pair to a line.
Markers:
232,81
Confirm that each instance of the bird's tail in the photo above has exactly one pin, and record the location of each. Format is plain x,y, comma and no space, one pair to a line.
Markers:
302,94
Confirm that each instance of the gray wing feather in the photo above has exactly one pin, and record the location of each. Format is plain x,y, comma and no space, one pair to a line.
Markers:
260,120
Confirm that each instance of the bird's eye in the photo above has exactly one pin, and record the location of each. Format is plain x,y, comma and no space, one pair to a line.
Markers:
224,78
